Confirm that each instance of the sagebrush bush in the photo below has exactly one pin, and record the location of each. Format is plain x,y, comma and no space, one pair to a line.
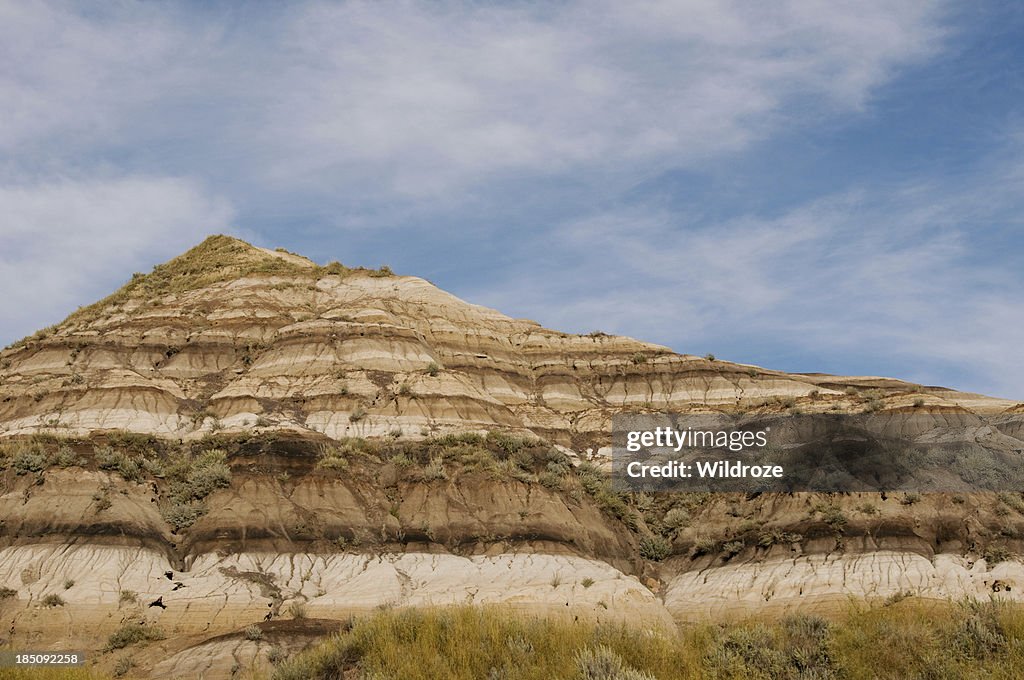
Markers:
132,633
654,548
190,481
677,518
29,458
601,663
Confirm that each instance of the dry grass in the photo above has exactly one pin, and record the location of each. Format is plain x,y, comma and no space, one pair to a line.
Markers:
905,640
50,674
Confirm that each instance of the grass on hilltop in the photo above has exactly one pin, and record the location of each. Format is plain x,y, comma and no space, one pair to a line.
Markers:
218,258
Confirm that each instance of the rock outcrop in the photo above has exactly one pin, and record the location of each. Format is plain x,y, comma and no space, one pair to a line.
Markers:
273,372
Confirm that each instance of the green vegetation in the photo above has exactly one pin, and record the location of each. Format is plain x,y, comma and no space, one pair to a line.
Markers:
733,548
768,538
908,639
217,259
994,554
654,548
132,633
832,515
332,458
189,481
122,666
53,600
7,593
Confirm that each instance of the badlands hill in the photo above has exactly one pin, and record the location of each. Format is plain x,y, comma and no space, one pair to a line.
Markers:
245,438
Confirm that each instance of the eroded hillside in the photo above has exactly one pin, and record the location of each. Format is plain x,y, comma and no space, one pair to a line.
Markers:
245,438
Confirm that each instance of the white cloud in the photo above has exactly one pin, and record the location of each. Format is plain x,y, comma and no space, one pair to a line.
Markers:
427,98
386,100
888,273
65,242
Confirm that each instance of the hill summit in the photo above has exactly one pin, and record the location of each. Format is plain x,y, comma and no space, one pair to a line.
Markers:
229,337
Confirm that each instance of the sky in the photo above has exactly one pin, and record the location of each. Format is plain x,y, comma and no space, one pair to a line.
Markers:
816,186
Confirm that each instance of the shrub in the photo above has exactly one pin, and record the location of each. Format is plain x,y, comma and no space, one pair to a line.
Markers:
732,548
53,600
432,369
709,356
434,470
357,415
910,498
102,500
638,358
65,456
122,667
29,459
747,652
1013,500
331,458
68,583
132,633
587,582
677,518
7,593
654,548
190,482
978,633
297,610
128,596
107,458
771,537
994,554
208,473
601,663
551,480
181,515
832,515
918,403
253,633
705,545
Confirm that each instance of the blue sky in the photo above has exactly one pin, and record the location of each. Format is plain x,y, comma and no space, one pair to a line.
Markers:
809,186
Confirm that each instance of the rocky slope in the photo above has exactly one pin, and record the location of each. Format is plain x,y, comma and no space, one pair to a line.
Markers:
243,437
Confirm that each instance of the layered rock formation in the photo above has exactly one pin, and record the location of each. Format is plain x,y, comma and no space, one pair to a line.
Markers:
275,363
229,337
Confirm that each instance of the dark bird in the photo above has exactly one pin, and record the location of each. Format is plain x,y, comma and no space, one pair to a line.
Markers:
158,602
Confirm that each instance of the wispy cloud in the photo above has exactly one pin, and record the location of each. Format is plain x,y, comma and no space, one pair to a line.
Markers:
130,130
394,100
65,242
889,274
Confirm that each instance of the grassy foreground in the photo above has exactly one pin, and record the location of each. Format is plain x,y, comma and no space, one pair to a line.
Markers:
906,639
901,640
